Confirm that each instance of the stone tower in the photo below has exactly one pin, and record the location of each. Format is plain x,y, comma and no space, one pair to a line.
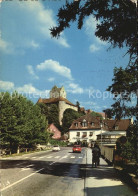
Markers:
58,97
58,92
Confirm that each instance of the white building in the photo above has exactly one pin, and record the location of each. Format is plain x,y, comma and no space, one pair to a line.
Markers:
88,128
85,129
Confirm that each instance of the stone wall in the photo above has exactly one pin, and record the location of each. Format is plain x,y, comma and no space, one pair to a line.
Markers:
62,107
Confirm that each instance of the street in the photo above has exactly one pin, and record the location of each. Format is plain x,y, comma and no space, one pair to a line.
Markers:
60,173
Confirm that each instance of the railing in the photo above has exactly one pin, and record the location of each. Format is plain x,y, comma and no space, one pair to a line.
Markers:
108,153
107,141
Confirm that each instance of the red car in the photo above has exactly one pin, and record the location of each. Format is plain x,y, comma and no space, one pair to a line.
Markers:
77,148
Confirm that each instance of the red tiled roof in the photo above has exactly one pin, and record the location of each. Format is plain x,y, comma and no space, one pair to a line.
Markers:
55,100
109,125
122,124
89,119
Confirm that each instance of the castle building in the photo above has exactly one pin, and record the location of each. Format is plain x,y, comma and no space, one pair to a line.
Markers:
58,97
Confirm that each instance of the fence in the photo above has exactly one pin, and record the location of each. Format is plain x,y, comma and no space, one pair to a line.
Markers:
107,153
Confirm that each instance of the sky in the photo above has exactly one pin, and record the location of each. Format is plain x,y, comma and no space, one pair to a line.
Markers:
32,62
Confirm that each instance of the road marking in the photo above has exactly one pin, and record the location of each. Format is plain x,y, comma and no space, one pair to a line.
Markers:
42,157
30,165
52,163
63,157
34,157
49,157
27,167
22,179
21,163
26,157
80,157
73,157
57,157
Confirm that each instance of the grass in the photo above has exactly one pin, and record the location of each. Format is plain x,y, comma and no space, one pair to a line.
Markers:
22,153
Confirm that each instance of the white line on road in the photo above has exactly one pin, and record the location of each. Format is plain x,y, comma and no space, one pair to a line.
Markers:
21,163
52,163
22,179
34,157
57,157
80,157
27,167
49,157
73,157
41,157
63,157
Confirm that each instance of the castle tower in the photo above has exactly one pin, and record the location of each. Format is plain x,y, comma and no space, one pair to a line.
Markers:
58,92
58,97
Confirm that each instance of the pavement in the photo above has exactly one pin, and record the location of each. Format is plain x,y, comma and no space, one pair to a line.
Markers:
104,180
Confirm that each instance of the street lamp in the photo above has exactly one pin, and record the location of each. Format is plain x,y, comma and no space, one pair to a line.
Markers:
101,125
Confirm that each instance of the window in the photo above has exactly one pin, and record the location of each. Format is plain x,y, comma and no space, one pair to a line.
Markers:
78,134
84,123
116,127
91,134
76,124
84,134
92,123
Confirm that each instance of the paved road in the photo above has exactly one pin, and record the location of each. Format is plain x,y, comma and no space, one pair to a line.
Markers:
59,174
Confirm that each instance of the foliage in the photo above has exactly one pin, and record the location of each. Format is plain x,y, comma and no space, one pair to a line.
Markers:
124,89
21,122
116,20
68,117
95,114
128,150
57,142
51,113
116,24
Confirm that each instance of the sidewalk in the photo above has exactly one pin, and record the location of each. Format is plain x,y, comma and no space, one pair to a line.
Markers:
103,180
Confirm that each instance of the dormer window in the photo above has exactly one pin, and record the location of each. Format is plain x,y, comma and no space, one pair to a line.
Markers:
76,124
92,124
84,123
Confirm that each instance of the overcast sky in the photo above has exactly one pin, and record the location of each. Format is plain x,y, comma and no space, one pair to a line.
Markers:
32,62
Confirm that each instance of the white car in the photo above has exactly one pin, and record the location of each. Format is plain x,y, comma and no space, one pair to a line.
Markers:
56,148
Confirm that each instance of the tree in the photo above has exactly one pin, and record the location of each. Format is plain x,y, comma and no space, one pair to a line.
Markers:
44,108
68,117
78,106
95,114
116,24
124,88
117,20
21,122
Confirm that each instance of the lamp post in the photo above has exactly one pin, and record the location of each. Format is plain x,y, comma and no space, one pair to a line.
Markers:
101,132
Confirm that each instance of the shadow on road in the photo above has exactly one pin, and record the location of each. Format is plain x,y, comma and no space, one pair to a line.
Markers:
75,170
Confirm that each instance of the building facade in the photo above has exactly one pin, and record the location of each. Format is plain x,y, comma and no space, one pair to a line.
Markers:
53,129
58,97
90,129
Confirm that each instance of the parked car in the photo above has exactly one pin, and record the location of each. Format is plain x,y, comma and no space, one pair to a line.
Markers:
76,148
56,148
